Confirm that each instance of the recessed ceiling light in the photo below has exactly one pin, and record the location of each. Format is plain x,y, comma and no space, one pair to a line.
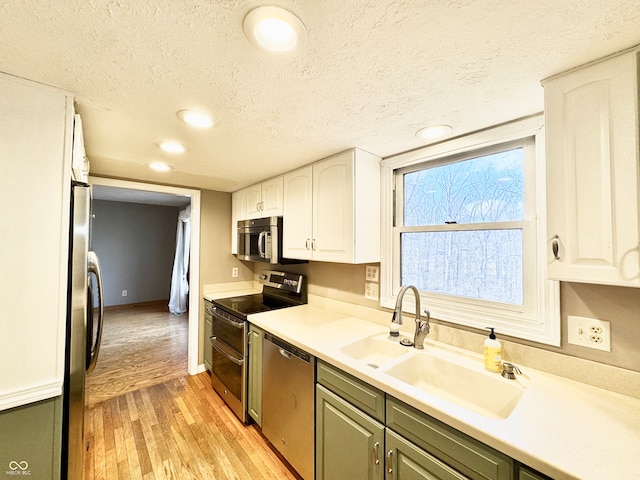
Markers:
274,29
433,132
160,167
196,118
170,146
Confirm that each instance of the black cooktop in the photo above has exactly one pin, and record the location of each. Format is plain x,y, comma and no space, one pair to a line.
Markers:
247,304
280,290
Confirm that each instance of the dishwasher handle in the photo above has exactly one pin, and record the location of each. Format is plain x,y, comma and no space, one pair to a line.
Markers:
286,349
284,353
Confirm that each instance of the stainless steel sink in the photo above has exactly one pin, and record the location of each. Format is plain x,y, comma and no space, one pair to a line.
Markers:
464,383
375,351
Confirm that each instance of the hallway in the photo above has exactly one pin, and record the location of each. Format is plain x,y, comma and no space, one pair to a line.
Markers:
149,419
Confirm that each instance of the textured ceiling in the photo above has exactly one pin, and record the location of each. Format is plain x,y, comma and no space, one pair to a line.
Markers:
371,74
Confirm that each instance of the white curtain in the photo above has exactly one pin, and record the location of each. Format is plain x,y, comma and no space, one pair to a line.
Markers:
179,297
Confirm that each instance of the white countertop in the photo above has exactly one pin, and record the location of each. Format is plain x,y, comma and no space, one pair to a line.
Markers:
563,428
235,289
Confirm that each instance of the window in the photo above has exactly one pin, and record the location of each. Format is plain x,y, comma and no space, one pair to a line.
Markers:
467,229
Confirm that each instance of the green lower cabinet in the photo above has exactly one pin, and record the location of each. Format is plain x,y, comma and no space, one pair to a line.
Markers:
527,474
405,461
208,317
364,434
349,443
30,440
254,398
466,455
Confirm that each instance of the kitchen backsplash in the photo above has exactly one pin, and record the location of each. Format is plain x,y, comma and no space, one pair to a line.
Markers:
618,305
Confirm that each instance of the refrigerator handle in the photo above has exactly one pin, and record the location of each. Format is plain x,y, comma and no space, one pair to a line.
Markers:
94,267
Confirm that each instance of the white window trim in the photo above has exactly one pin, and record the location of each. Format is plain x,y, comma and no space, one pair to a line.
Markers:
545,326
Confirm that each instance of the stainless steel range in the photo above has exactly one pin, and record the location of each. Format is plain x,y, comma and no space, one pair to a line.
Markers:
229,361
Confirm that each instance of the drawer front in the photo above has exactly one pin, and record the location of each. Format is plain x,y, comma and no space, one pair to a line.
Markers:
358,393
467,455
528,474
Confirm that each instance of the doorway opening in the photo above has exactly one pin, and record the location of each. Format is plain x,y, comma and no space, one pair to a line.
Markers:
138,192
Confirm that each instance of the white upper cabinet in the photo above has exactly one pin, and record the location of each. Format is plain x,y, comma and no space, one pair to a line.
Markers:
264,199
297,207
257,201
332,210
592,172
238,212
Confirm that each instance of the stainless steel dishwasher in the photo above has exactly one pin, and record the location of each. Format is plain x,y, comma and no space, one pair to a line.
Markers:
288,377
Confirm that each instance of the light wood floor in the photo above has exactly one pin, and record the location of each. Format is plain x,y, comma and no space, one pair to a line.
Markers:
175,428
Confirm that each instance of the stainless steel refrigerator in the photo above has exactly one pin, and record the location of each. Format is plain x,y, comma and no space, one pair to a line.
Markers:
84,329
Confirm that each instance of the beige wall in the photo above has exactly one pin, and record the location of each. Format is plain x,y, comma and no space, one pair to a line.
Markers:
216,260
618,305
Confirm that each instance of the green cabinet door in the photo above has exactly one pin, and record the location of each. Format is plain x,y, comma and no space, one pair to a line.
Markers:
349,443
528,474
254,399
405,461
208,318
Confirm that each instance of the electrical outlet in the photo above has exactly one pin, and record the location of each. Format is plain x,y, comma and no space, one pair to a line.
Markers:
372,273
234,272
589,332
371,291
124,293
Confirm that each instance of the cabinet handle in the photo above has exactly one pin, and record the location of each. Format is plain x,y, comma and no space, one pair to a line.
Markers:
249,335
313,244
306,244
375,453
555,247
389,455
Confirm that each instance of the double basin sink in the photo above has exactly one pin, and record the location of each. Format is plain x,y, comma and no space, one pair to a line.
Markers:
452,376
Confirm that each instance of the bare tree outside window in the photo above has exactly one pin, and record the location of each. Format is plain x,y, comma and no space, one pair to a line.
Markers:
470,241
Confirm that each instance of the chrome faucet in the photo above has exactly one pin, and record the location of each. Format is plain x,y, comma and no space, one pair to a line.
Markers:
422,326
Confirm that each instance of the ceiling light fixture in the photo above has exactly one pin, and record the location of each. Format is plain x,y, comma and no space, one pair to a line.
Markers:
434,132
160,167
274,29
170,146
196,118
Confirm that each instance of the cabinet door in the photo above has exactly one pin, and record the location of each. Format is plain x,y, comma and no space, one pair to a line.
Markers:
297,199
238,212
592,169
349,443
271,201
254,201
405,461
207,334
333,220
254,400
527,474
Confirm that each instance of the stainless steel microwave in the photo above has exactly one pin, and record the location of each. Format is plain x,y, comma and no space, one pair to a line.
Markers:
260,240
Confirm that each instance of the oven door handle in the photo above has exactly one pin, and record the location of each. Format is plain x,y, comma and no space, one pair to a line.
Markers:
238,325
225,351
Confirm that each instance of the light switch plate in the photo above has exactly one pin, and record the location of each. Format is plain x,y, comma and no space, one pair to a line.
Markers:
371,291
373,272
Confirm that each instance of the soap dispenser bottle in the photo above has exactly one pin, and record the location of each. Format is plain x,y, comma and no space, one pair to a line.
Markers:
492,352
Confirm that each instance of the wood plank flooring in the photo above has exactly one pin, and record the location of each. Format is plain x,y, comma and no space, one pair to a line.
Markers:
141,346
175,428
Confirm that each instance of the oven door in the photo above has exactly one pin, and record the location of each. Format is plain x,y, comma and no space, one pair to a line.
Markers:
229,361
